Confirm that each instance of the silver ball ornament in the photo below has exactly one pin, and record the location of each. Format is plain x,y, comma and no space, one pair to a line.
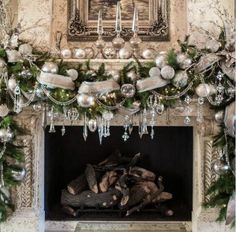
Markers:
167,72
89,53
219,116
11,84
50,67
148,53
203,90
118,43
213,45
220,167
181,57
154,72
85,100
180,80
25,49
109,52
66,53
128,90
72,73
161,60
79,53
125,53
92,125
186,63
18,175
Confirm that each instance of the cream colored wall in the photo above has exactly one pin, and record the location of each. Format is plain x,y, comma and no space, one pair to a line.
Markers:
45,17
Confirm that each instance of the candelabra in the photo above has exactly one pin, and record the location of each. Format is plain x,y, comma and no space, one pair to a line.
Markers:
100,43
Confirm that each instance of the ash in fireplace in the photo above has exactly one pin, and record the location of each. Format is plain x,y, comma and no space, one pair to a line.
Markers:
115,182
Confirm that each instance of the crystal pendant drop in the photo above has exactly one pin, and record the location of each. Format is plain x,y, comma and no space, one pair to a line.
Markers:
85,128
63,130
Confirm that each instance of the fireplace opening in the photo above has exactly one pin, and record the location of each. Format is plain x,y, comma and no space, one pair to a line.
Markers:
169,154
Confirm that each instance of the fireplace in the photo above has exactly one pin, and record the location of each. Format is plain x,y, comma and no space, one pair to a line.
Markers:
169,154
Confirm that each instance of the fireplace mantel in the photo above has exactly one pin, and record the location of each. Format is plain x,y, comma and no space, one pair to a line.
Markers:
29,196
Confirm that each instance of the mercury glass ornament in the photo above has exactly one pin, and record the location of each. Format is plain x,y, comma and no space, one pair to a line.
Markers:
220,167
3,110
11,84
79,53
219,116
66,53
181,79
161,59
128,90
203,90
25,49
125,53
85,100
92,125
18,175
50,67
72,73
89,53
109,52
148,53
154,72
167,72
213,45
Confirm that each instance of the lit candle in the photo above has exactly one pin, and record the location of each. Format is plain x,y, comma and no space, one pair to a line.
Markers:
100,23
118,18
135,25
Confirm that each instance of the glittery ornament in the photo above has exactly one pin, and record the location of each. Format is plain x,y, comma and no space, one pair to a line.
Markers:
186,63
161,59
128,90
167,72
109,52
180,80
181,57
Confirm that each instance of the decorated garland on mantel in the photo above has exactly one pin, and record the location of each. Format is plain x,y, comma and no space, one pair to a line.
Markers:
76,91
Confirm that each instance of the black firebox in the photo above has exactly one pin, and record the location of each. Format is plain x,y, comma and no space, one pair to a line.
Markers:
169,154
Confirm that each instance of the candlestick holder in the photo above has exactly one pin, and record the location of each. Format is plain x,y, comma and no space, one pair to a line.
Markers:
100,43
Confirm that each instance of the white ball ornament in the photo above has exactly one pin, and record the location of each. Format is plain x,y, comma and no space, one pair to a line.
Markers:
125,53
85,100
72,73
203,90
181,57
167,72
50,67
154,72
66,53
25,49
79,53
148,53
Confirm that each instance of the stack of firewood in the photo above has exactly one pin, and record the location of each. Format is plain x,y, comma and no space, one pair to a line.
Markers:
115,182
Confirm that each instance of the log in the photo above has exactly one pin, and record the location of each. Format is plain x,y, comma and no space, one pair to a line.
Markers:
69,210
90,199
123,188
78,185
91,178
134,160
142,173
107,180
164,196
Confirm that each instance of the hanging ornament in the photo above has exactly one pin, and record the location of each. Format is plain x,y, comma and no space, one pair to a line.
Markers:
85,100
92,125
128,90
148,53
154,72
51,116
213,45
109,52
132,76
50,67
161,60
66,53
125,53
181,79
63,130
203,90
25,49
230,119
6,135
126,136
219,88
3,110
18,175
107,115
230,214
186,63
188,110
89,53
72,73
13,56
79,53
219,116
220,167
11,84
167,72
85,128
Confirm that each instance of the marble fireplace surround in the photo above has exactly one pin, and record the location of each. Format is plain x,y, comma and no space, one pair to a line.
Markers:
29,196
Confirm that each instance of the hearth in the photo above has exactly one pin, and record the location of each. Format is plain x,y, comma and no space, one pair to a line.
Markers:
169,155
